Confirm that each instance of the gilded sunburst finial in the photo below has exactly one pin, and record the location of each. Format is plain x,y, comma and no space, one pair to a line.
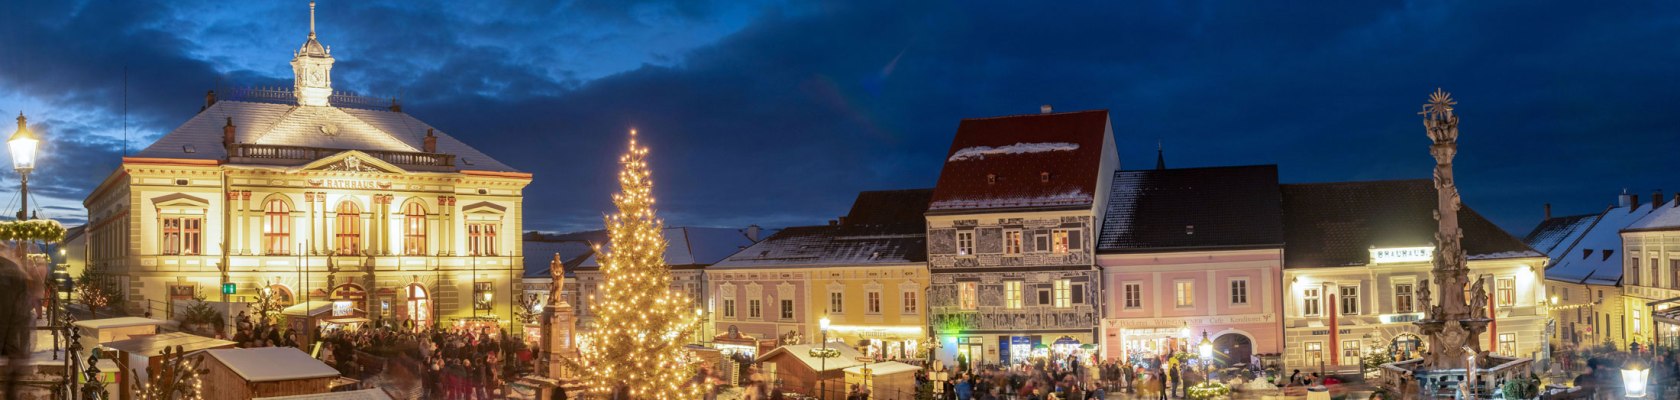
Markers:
1440,103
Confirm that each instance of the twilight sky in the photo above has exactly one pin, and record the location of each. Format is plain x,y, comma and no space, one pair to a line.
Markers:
778,113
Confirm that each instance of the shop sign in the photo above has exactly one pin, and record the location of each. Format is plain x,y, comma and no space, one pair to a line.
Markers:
1401,254
1327,332
349,184
1393,318
341,308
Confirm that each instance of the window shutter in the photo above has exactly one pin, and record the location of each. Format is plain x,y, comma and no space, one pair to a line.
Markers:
1078,294
1074,242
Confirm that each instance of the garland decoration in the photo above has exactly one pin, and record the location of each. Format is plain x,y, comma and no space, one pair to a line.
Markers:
43,230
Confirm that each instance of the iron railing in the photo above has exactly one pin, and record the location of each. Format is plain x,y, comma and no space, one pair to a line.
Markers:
300,153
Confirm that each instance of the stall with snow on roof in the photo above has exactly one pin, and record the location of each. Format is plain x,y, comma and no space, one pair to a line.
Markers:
144,354
265,372
99,331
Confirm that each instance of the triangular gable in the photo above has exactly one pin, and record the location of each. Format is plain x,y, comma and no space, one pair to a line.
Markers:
179,200
484,207
353,161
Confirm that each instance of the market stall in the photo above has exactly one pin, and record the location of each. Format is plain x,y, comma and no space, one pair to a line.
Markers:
329,316
364,394
265,372
890,380
99,331
143,355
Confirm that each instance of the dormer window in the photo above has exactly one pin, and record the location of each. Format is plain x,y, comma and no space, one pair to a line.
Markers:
991,178
1044,176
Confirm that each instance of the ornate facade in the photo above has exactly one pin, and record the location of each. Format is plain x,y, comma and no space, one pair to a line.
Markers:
307,194
1011,237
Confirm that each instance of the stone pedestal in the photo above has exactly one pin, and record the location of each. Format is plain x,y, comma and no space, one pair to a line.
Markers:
559,344
1447,340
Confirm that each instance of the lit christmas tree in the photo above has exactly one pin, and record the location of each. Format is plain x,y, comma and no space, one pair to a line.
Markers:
642,326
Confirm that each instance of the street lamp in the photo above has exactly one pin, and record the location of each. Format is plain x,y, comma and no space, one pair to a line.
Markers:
1636,379
823,324
23,145
1207,356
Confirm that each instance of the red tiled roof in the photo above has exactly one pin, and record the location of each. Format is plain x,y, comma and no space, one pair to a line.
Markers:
1015,151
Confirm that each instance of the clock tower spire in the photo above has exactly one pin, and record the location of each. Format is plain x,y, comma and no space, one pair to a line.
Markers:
312,69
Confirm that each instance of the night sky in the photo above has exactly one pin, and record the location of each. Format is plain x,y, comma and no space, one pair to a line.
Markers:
778,113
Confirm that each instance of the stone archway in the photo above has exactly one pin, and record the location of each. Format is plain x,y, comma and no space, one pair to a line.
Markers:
1232,348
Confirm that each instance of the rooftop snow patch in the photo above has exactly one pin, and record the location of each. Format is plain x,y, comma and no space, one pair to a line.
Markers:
980,152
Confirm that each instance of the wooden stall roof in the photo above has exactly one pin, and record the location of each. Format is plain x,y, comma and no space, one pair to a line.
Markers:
152,345
364,394
119,322
267,364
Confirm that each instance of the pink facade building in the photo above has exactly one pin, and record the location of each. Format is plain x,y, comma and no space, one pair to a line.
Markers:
1189,254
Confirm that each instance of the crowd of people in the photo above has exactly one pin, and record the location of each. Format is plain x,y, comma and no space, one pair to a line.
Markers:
455,363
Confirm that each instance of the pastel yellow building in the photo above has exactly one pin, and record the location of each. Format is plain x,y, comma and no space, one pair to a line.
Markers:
311,193
866,273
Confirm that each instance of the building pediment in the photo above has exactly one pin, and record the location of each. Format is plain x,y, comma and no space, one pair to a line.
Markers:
352,161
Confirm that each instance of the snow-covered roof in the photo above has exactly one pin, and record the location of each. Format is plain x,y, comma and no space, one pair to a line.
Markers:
847,357
288,124
1555,235
886,368
1664,217
1199,208
1595,257
148,346
268,364
883,227
364,394
539,253
1024,161
119,322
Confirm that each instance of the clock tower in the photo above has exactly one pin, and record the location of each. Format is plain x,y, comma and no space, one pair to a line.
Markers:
312,69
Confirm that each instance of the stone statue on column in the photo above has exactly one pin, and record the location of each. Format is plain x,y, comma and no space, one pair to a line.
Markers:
1455,324
559,324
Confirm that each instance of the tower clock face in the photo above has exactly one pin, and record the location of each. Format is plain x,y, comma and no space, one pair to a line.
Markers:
316,78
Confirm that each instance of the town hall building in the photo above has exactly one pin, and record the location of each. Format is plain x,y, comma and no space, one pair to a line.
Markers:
313,194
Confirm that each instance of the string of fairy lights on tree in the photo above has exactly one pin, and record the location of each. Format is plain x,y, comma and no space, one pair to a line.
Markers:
39,230
638,346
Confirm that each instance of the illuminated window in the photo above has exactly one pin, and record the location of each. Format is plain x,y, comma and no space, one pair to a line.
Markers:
1309,302
1134,295
1184,294
277,228
1012,294
836,303
1059,241
181,236
414,229
1350,300
965,243
1508,344
1314,352
349,228
1064,293
969,295
910,306
1350,352
1505,291
874,302
481,238
1239,292
1403,298
1012,242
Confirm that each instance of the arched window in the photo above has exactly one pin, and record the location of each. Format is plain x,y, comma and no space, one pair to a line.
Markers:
277,228
414,229
419,306
349,228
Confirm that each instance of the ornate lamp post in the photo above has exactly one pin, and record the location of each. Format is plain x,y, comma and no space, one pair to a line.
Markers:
1207,356
23,145
823,324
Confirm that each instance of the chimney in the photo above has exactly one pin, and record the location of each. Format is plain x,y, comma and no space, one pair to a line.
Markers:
833,222
1044,109
431,141
209,99
1656,199
396,106
1624,200
752,233
1633,202
1548,210
227,130
841,219
1676,200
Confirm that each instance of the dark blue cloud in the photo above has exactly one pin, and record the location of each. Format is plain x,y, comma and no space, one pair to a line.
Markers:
777,114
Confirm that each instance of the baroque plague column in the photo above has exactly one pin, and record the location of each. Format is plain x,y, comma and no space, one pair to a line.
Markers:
1454,325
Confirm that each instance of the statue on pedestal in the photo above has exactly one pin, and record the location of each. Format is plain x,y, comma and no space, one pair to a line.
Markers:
1423,301
1478,299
